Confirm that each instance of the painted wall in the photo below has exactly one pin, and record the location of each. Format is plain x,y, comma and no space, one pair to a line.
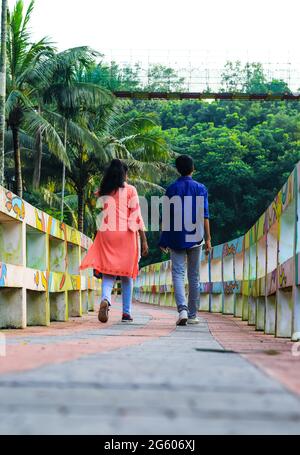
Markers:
39,267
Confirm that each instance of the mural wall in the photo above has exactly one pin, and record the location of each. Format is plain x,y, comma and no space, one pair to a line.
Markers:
255,277
40,280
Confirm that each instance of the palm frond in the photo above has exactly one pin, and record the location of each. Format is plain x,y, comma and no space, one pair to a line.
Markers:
37,73
16,98
77,96
83,55
115,148
36,52
22,54
27,142
150,172
148,146
35,124
124,125
144,186
64,63
79,135
18,36
27,16
53,200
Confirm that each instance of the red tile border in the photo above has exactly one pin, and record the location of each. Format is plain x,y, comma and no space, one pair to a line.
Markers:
272,355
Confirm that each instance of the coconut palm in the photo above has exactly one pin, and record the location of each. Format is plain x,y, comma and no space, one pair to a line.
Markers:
2,86
23,58
48,91
69,96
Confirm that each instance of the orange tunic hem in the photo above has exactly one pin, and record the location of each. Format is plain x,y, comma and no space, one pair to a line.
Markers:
109,271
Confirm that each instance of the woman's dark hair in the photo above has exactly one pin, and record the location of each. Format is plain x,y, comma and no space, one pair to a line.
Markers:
114,178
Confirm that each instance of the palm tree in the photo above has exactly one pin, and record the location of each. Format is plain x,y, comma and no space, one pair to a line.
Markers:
2,86
69,96
23,81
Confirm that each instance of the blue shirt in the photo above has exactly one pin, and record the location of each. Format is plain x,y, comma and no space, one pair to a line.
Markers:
184,186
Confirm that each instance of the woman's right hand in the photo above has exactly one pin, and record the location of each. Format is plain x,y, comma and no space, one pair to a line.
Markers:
145,248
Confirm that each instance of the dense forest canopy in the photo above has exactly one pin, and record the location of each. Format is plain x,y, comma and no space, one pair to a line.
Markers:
61,116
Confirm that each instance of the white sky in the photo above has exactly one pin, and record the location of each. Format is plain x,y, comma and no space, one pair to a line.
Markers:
258,30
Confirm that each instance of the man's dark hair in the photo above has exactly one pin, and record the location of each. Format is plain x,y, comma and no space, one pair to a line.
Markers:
184,165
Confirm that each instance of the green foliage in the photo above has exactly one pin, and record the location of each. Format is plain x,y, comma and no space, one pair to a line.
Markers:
159,78
250,78
243,152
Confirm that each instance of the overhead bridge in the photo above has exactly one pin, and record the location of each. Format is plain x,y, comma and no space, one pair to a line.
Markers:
230,96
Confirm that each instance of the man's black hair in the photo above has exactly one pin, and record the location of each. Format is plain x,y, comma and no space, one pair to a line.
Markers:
184,165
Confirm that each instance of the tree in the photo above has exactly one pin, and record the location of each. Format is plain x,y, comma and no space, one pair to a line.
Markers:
2,86
115,78
232,78
248,78
70,96
23,73
163,79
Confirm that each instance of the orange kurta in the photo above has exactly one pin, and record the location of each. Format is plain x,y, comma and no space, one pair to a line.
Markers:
115,250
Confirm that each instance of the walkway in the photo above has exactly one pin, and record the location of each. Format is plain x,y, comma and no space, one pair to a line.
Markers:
148,378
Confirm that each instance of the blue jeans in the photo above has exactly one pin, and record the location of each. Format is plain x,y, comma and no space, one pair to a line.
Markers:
108,282
179,258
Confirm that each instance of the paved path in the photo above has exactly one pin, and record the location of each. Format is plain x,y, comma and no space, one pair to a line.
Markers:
146,378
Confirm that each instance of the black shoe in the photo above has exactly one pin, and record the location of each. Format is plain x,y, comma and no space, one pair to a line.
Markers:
126,318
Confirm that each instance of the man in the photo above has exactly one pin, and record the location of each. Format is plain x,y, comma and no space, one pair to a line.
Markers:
187,225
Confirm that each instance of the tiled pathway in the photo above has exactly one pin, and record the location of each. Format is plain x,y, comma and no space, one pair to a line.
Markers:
149,378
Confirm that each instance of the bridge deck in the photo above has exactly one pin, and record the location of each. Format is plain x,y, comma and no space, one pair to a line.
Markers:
81,377
230,96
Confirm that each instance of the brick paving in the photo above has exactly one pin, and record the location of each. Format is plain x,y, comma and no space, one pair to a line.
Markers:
81,377
272,355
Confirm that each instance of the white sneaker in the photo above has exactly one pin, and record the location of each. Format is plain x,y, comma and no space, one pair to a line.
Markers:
193,321
183,318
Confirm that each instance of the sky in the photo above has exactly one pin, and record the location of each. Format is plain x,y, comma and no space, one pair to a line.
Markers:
181,30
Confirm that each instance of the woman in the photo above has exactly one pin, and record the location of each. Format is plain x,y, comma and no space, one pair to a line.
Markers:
115,251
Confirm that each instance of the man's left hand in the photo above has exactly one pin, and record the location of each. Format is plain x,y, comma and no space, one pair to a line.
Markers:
208,247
